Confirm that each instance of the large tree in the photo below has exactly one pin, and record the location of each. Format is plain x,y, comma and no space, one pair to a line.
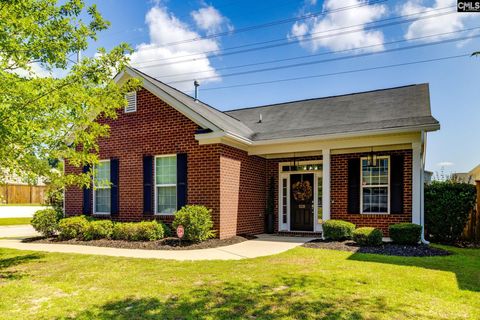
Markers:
46,118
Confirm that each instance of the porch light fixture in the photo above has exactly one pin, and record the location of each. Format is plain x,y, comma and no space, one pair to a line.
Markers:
372,159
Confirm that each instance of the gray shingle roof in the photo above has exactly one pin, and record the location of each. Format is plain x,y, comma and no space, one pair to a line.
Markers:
392,108
384,109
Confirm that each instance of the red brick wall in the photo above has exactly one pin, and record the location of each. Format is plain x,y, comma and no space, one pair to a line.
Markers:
242,192
155,129
339,193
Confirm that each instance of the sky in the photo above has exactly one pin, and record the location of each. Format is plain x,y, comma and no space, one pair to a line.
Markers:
212,41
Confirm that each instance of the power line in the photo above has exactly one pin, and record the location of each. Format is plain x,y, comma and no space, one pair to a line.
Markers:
321,54
338,73
219,53
271,23
329,60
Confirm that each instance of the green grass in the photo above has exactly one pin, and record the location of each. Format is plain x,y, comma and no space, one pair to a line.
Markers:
299,284
14,221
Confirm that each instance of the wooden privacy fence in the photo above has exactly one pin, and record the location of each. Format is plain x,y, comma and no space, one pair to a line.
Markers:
22,194
472,229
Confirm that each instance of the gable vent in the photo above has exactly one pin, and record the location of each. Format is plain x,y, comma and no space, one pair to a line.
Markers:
132,102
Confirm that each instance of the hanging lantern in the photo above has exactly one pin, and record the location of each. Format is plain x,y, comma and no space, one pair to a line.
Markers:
372,159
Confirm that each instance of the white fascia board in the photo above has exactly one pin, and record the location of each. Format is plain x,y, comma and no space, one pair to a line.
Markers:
305,144
349,135
179,106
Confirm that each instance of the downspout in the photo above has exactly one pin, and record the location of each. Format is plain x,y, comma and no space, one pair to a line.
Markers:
422,185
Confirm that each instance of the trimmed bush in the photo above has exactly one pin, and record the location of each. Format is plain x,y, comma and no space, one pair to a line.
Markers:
196,221
138,231
46,221
99,229
405,233
368,236
338,229
74,227
447,206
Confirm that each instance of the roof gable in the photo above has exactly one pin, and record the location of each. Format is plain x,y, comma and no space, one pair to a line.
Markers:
204,115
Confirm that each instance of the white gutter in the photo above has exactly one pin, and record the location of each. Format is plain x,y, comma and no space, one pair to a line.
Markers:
422,185
246,141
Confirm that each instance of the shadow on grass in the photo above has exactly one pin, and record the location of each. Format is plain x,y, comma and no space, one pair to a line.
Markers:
6,263
464,263
291,298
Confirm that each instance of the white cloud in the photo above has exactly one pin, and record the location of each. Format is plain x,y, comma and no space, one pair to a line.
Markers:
436,25
319,28
165,28
445,164
210,20
36,70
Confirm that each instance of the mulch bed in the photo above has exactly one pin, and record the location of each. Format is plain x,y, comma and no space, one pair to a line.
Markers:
389,249
164,244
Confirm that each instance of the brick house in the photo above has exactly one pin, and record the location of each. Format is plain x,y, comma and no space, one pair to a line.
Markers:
357,157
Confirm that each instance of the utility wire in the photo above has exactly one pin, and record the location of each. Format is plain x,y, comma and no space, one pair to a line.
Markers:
296,65
272,23
338,73
320,54
284,42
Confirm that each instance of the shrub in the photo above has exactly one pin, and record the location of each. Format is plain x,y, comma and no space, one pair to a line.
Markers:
405,233
338,229
74,227
99,229
447,206
138,231
46,221
368,236
197,223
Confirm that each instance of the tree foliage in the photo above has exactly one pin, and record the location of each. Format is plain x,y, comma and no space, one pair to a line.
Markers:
47,118
447,206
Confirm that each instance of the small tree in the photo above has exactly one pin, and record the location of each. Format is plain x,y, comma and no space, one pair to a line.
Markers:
447,206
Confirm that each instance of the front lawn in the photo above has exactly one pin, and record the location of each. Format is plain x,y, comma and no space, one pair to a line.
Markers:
14,221
300,284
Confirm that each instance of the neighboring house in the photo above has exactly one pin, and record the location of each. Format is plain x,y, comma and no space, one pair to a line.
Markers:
166,150
427,176
468,177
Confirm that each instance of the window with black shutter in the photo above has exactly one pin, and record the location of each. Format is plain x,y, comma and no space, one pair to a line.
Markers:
148,185
396,184
114,179
87,195
354,185
181,180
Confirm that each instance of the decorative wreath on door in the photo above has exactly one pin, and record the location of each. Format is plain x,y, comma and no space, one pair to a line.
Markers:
302,191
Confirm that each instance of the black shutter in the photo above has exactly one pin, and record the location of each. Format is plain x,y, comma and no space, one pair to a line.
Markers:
354,185
396,184
181,180
148,184
114,196
87,195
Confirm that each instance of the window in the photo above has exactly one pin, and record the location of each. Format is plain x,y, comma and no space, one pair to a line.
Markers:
375,185
132,102
101,188
284,200
166,184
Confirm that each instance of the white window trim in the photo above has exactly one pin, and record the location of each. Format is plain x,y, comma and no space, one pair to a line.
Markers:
134,94
374,186
162,185
95,191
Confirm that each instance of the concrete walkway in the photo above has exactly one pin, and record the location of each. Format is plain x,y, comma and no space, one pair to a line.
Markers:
19,211
18,231
264,245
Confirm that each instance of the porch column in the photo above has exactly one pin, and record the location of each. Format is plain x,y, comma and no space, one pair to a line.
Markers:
416,182
326,184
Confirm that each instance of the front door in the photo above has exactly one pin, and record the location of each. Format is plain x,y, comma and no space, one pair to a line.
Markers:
301,202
